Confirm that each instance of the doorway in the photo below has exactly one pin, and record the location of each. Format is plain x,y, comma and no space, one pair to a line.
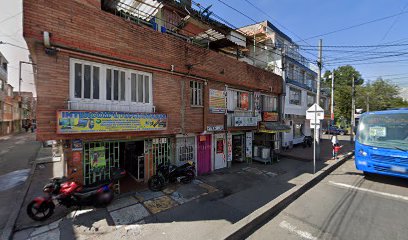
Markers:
238,148
203,154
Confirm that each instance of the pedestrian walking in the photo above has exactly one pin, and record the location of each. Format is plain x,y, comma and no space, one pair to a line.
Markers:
335,143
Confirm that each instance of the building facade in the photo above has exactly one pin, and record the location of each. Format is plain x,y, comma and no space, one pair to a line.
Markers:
277,52
120,88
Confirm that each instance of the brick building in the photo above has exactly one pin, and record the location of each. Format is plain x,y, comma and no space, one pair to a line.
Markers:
120,89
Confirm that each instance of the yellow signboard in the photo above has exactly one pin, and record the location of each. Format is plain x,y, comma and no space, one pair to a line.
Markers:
98,122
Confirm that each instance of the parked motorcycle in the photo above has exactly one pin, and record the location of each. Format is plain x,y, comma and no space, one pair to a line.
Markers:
170,173
307,141
70,193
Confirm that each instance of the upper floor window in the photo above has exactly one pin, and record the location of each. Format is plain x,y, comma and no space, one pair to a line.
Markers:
239,100
269,103
196,93
105,83
295,96
311,99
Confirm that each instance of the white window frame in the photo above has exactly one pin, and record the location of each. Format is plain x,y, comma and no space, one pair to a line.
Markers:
196,90
102,84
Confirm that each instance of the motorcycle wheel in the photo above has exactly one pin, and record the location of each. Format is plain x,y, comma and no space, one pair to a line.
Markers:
41,213
189,176
104,199
156,183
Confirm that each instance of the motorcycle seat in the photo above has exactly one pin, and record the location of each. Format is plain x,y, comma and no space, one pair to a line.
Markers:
89,189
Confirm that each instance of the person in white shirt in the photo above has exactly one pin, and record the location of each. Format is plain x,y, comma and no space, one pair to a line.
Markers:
334,142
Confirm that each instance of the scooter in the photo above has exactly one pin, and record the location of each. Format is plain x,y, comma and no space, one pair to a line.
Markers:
70,193
170,173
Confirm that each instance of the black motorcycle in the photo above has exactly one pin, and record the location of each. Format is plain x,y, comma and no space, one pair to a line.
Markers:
307,141
170,173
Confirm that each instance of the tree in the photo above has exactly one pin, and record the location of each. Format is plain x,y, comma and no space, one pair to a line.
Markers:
343,77
379,95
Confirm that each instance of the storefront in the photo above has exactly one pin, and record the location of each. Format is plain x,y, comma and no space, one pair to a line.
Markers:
186,149
267,141
95,160
220,151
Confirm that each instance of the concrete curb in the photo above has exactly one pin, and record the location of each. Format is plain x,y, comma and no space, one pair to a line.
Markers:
9,228
246,226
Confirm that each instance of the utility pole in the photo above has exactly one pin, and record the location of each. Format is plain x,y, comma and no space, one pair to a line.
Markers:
319,75
332,100
353,110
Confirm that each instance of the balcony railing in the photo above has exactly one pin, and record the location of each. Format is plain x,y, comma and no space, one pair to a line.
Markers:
114,107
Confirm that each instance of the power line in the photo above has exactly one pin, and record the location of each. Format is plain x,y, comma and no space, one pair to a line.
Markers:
356,25
1,42
358,46
393,23
8,18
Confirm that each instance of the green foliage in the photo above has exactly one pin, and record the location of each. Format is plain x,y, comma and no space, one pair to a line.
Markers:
378,95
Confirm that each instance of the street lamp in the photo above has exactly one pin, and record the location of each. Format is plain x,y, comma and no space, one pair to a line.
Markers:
353,109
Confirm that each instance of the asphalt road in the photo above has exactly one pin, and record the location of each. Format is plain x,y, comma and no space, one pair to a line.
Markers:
345,205
16,154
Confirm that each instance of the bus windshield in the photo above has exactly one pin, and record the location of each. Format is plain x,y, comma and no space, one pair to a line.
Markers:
384,131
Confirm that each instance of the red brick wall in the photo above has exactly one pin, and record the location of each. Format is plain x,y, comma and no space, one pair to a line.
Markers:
82,25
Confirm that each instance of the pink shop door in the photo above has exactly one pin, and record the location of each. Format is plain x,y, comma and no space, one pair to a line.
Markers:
203,154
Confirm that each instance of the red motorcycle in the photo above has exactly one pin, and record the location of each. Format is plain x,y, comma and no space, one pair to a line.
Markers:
70,193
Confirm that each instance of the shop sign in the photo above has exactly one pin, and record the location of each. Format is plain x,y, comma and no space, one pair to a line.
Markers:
77,145
245,121
229,146
270,116
159,140
217,101
215,128
257,101
98,122
248,144
203,138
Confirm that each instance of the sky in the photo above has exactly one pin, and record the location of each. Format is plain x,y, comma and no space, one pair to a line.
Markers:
11,31
299,19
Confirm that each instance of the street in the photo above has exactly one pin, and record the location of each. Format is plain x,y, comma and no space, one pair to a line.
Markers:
16,154
345,205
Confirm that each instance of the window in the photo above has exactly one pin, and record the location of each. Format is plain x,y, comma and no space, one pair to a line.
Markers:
196,93
1,85
291,73
86,81
297,130
295,96
140,88
115,85
239,100
269,103
311,99
106,83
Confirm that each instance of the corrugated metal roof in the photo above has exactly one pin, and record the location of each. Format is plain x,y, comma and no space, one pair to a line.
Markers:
144,9
209,35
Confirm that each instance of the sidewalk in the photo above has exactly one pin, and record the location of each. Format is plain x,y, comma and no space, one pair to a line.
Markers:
306,154
202,210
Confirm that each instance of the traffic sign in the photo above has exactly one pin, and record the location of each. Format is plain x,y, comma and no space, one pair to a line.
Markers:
315,111
314,125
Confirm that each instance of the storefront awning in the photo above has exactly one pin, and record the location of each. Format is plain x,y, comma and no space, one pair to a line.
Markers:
273,127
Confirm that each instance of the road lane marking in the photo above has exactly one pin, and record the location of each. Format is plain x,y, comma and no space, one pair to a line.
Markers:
293,229
370,191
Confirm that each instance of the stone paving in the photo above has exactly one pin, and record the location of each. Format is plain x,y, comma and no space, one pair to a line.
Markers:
124,211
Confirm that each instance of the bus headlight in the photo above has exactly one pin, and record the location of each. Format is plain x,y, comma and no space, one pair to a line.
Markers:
362,153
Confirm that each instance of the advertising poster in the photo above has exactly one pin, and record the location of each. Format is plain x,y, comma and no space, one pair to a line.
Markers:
229,147
97,157
76,157
244,101
220,145
98,122
217,101
248,144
